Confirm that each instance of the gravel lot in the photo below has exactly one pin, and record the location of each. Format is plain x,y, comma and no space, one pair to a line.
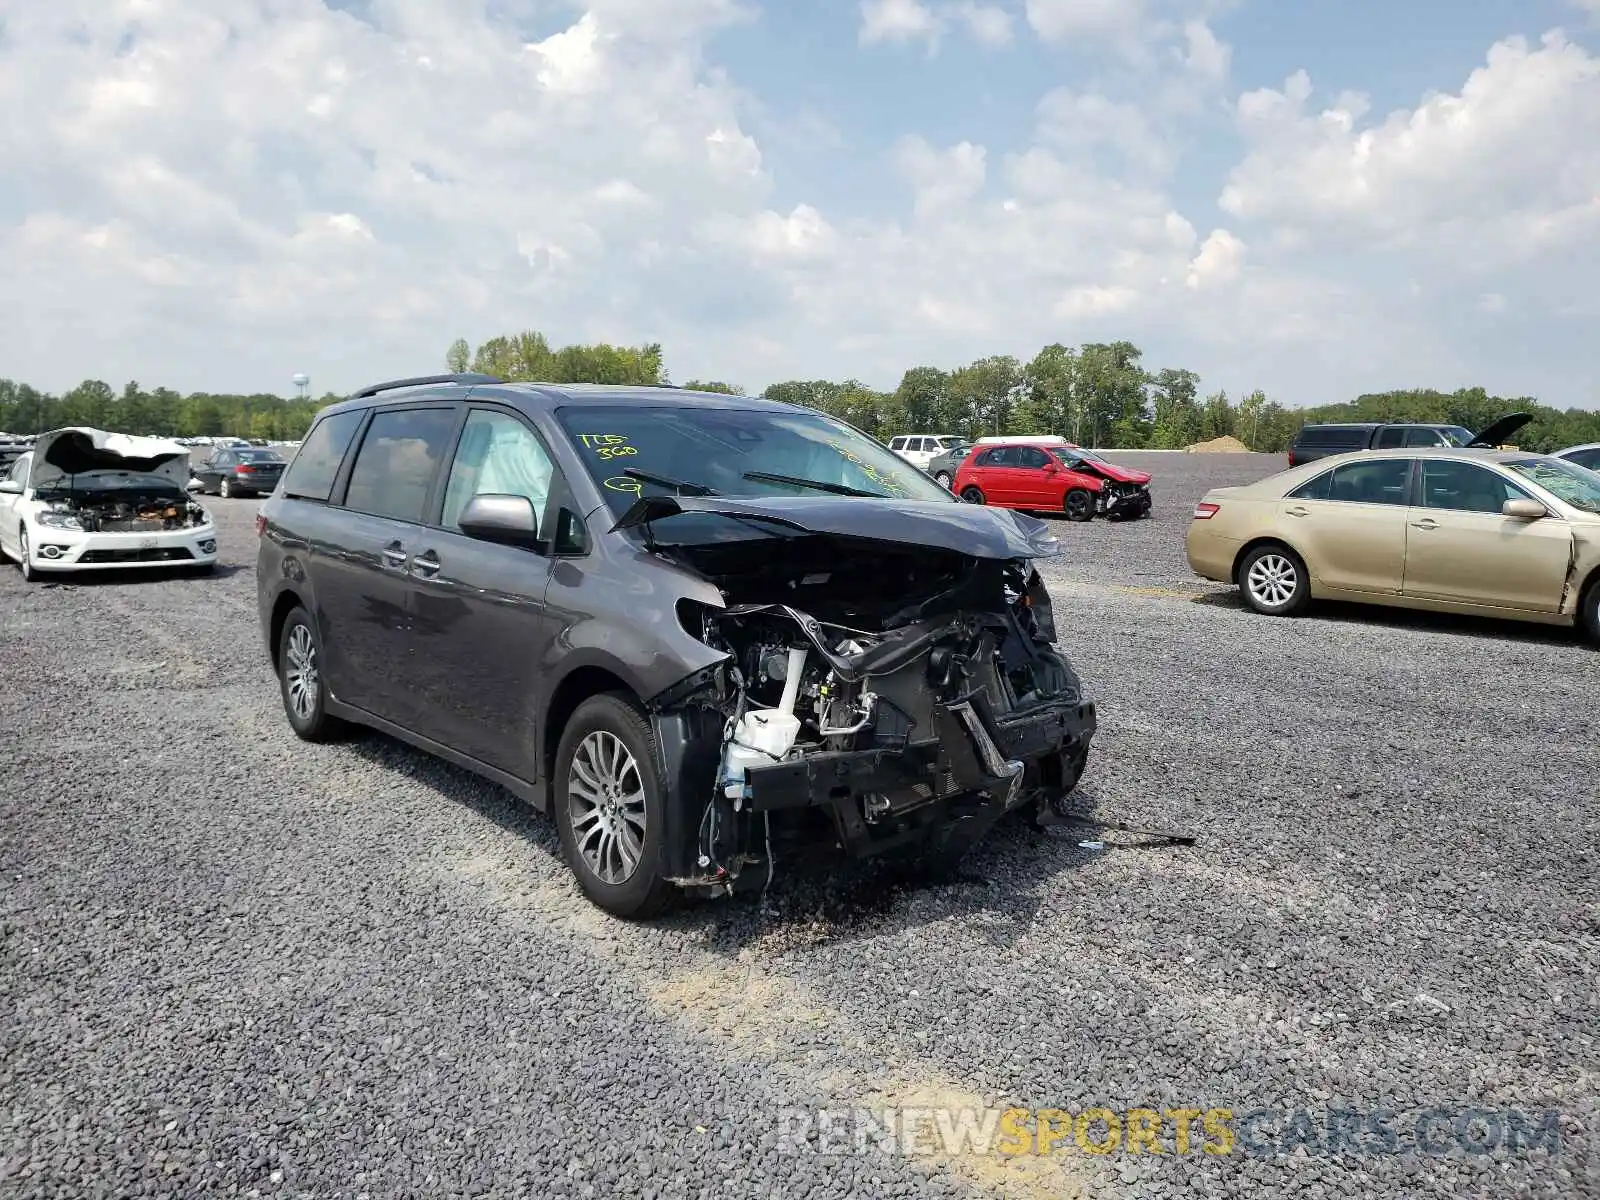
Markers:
235,964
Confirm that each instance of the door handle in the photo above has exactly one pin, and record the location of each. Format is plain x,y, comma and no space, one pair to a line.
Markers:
394,554
426,564
1425,523
1297,511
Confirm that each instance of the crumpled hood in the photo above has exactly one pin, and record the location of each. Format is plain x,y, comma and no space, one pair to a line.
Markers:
63,453
1120,474
972,529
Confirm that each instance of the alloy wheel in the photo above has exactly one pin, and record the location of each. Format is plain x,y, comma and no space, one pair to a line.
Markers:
1272,580
606,807
300,677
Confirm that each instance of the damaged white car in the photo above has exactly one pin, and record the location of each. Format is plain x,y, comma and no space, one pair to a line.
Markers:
84,499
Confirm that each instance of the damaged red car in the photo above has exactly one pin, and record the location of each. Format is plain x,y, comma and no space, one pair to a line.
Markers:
1052,478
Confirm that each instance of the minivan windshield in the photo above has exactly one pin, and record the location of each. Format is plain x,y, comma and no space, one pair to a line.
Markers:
716,450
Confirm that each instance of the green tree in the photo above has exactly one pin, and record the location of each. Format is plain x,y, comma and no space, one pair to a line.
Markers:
458,357
726,389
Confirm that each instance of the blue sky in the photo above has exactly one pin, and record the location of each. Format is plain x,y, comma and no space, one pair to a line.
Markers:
218,196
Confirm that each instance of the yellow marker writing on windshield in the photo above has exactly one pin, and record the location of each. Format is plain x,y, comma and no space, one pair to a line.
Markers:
623,483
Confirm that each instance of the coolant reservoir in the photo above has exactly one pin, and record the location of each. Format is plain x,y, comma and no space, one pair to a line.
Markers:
761,737
769,730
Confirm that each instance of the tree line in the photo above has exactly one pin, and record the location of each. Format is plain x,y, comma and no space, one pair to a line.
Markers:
1097,394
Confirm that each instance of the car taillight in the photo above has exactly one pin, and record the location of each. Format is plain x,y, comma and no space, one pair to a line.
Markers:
243,470
261,524
1205,510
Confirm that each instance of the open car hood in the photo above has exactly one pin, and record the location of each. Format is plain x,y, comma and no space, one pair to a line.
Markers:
992,533
1497,433
63,453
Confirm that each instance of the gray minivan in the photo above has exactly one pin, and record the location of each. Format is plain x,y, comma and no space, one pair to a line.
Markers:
703,632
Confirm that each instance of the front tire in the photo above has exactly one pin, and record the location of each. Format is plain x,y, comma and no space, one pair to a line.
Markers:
1589,613
1274,581
1078,504
30,573
609,804
971,495
944,479
301,682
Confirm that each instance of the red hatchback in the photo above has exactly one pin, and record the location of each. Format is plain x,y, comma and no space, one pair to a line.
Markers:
1063,479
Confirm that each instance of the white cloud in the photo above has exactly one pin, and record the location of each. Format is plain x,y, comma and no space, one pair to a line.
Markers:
918,20
1512,159
990,24
1220,261
898,21
215,203
1073,20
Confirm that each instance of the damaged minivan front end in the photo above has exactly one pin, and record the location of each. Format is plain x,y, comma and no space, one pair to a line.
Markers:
885,680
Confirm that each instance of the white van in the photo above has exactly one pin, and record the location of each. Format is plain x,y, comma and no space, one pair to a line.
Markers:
919,449
1030,439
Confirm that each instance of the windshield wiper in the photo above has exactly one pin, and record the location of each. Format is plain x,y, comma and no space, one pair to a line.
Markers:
838,489
681,486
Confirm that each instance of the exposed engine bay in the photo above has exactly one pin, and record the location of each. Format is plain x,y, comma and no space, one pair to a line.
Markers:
874,696
125,511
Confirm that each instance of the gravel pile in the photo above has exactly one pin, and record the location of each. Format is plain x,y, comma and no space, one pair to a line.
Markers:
235,964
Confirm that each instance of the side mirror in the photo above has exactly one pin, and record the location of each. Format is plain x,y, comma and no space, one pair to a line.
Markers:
505,520
11,487
1523,510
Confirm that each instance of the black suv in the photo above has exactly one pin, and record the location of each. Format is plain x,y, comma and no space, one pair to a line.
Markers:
1321,441
704,632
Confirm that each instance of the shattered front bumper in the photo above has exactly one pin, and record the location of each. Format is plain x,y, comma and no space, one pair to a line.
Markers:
971,773
1128,503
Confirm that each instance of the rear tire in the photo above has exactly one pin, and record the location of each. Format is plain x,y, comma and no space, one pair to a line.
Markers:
1078,504
610,808
225,488
1274,581
301,682
971,495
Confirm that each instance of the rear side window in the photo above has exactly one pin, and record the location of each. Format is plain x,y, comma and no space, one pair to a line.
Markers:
311,475
1424,437
1382,482
1586,458
398,461
1393,436
898,443
1333,435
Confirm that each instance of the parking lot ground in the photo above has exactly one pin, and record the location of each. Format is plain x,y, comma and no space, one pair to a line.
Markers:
236,964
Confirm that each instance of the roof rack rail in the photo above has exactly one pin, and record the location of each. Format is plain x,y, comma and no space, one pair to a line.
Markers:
465,379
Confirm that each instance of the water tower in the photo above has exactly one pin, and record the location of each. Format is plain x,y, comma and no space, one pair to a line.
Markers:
302,385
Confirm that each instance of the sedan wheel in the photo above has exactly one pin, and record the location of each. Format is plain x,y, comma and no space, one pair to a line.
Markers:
1078,504
30,573
225,488
944,479
1274,581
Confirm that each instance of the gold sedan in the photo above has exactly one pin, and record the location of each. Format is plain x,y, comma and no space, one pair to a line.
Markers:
1488,532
